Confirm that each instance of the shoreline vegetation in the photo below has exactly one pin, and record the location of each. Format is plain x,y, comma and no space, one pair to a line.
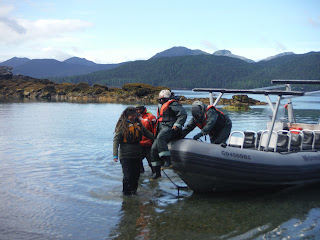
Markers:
28,88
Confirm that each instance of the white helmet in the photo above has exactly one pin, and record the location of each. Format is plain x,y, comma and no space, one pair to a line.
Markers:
165,94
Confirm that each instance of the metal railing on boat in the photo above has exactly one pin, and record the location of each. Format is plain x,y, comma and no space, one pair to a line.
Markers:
288,93
280,141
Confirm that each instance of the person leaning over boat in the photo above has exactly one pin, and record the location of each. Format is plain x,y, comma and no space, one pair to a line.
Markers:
210,120
128,134
171,117
149,121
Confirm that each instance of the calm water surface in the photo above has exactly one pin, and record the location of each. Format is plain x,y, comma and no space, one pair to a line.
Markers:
58,181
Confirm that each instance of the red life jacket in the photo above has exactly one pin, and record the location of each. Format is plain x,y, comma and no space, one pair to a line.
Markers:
166,114
148,120
220,123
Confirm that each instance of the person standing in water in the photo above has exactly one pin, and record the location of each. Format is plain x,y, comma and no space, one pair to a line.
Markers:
149,121
127,136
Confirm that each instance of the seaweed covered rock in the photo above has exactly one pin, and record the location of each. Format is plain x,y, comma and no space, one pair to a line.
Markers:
141,89
241,103
99,88
80,87
24,87
143,92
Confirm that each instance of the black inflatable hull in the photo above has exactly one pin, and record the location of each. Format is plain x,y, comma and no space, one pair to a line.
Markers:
206,167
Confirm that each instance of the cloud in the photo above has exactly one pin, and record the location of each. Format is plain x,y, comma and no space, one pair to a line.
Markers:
13,25
20,30
55,53
209,45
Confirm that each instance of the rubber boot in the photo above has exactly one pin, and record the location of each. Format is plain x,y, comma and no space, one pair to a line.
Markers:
167,163
153,171
157,173
141,167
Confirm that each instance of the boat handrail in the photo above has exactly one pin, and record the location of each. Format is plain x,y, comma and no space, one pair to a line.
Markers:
300,133
307,142
231,139
267,146
287,134
300,144
241,142
249,91
274,141
288,81
316,133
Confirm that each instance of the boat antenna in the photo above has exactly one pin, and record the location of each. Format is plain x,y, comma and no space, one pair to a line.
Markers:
177,186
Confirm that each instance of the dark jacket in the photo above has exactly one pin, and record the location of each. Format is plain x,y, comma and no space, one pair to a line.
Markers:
128,150
180,115
211,120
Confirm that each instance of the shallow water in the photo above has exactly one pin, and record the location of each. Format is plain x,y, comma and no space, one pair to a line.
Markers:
58,181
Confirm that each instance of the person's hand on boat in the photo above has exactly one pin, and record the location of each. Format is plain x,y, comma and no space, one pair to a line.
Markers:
197,136
115,159
175,128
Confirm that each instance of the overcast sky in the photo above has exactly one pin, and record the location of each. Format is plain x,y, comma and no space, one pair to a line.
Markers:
116,31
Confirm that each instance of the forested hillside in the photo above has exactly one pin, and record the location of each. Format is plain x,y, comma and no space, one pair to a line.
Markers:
205,71
44,68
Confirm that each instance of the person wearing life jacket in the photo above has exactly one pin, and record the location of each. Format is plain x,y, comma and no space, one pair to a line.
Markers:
149,121
210,120
171,117
127,136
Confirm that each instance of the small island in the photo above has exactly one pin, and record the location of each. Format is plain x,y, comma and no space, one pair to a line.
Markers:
28,88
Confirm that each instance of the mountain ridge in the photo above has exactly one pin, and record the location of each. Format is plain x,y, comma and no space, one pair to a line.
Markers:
205,71
45,68
189,69
75,65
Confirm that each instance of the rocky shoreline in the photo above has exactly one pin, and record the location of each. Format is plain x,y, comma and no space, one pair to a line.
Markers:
23,87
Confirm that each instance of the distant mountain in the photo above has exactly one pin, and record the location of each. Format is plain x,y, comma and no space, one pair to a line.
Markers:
206,71
178,61
80,61
227,53
278,55
45,68
178,51
183,51
13,62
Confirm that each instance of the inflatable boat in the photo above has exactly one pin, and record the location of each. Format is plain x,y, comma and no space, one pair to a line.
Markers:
284,154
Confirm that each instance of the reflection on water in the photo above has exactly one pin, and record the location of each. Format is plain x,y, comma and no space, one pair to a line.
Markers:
253,215
58,181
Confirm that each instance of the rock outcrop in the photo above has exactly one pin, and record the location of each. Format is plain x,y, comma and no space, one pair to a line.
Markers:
23,87
236,103
5,72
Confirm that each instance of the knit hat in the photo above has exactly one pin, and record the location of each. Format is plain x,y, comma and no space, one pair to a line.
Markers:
198,110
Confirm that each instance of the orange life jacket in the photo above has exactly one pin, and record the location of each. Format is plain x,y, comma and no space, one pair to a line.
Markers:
166,114
149,121
220,123
134,133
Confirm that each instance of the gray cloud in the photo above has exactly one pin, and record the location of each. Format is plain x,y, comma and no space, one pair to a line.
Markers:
12,24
